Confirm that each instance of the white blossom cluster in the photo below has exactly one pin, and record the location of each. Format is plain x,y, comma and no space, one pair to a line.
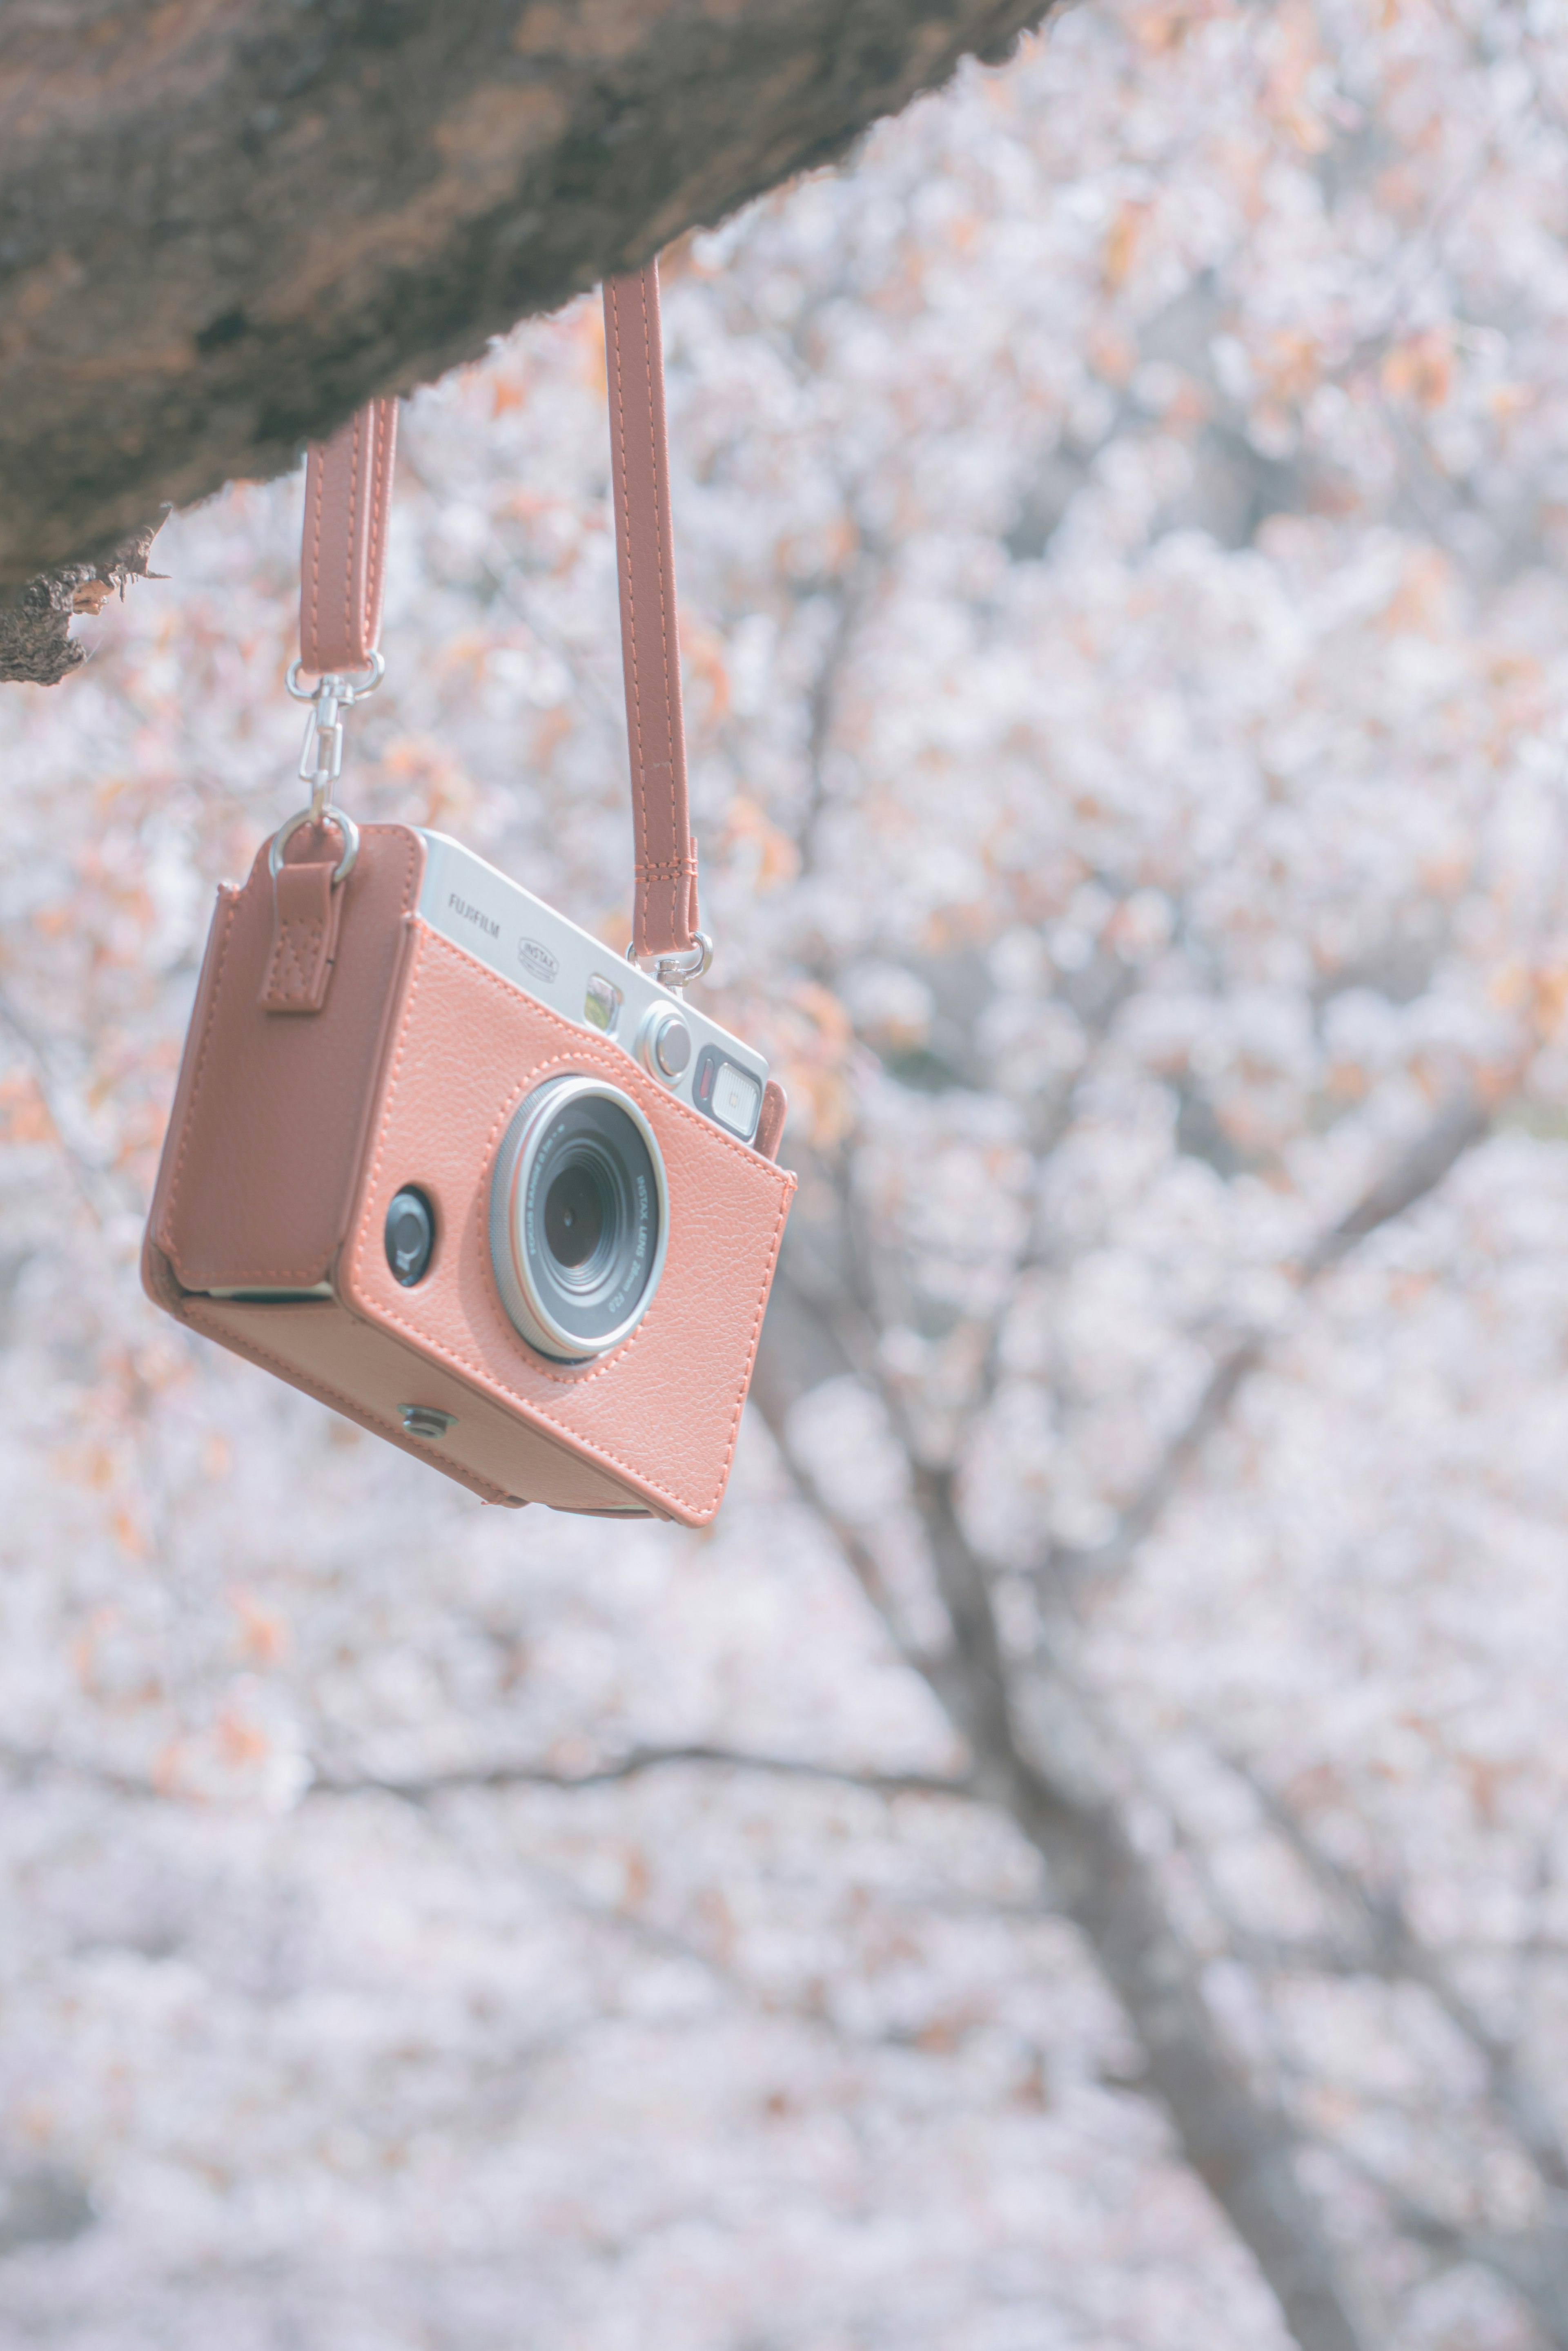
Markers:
1119,517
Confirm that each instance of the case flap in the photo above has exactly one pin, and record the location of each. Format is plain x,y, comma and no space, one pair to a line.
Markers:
262,1154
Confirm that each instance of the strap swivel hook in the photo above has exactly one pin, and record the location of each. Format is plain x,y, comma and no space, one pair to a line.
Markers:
321,756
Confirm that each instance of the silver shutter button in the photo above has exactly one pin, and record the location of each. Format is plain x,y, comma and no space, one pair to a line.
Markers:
669,1045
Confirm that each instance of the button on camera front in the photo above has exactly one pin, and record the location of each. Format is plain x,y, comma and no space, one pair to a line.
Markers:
410,1236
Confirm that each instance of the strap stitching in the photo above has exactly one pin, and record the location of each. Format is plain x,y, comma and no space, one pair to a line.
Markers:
661,532
381,444
318,467
356,493
630,631
299,939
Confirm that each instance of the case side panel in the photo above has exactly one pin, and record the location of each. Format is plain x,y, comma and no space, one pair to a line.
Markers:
262,1156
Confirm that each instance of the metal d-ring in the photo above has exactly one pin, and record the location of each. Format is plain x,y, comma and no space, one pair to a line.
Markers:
349,689
345,826
676,970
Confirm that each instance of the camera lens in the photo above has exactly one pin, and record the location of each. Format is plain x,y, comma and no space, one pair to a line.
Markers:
577,1218
578,1205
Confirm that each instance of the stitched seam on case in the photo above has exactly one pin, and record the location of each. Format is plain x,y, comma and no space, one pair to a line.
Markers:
755,1165
304,955
325,1392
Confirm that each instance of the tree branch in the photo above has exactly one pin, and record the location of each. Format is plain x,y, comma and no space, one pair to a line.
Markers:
1458,1126
635,1765
1244,2153
1388,1946
220,242
27,1762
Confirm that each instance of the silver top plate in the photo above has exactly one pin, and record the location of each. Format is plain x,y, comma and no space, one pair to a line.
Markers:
546,956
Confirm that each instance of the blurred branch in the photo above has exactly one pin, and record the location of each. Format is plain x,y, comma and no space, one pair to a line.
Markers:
1385,1944
1530,2264
634,1765
101,1193
850,595
1243,2147
25,1762
1419,1169
1375,1942
1462,1122
1244,2152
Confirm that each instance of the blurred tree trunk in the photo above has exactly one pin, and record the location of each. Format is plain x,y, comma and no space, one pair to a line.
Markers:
825,1322
223,224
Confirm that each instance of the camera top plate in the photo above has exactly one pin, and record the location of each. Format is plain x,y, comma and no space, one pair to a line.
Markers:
549,959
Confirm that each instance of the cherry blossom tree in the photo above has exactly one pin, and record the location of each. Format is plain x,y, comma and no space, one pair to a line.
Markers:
1074,1854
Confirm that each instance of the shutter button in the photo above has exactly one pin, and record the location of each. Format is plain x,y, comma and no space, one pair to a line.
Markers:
669,1045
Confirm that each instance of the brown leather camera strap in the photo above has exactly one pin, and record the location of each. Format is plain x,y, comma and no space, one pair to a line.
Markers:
342,562
348,490
665,919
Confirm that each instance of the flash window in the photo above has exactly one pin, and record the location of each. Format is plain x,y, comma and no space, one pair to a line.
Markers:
730,1096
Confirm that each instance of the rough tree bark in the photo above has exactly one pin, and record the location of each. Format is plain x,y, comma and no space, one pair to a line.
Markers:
223,224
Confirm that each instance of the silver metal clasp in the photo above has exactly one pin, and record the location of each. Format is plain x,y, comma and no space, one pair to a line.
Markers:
677,971
332,696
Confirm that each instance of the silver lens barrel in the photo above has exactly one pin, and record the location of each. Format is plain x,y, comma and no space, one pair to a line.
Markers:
578,1218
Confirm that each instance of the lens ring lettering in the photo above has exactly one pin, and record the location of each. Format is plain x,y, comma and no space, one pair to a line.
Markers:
583,1128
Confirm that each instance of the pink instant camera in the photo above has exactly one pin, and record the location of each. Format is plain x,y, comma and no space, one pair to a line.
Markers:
440,1158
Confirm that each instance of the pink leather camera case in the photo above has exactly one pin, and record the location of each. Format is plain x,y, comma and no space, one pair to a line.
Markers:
342,1049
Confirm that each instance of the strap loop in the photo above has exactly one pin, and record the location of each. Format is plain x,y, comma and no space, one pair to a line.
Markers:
343,561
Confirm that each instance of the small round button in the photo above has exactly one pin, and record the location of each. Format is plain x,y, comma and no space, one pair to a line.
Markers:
673,1045
410,1236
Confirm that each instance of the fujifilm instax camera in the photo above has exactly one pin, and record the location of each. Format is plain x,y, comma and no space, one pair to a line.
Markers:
445,1162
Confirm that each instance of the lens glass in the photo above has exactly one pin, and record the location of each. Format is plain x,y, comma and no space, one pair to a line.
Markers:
578,1207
